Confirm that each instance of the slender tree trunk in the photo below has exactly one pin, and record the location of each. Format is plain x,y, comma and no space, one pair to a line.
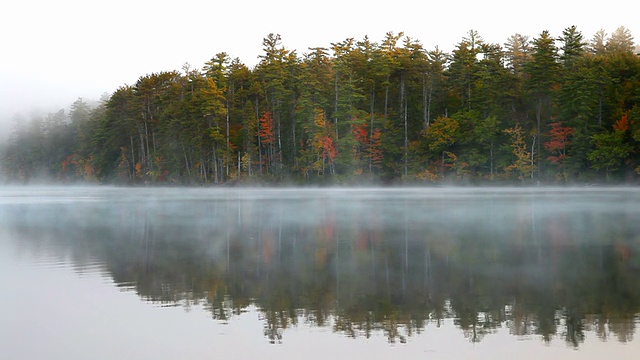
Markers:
403,108
600,111
386,99
149,161
538,121
259,139
430,100
143,152
425,101
227,140
469,93
186,162
132,167
371,117
335,105
153,142
533,144
222,176
293,137
491,160
279,127
216,177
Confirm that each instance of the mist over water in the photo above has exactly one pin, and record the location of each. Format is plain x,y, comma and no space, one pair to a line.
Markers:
401,267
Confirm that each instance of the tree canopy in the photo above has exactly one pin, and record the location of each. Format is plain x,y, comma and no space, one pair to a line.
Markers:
542,109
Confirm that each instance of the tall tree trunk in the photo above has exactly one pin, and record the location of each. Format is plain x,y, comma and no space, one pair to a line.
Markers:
491,160
403,109
148,152
186,162
425,102
279,135
227,140
430,100
259,140
386,99
143,152
371,118
216,177
533,147
132,168
335,105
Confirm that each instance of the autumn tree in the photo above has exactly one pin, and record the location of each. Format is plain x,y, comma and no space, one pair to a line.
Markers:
442,134
275,80
323,144
315,88
368,150
559,141
522,165
240,110
267,137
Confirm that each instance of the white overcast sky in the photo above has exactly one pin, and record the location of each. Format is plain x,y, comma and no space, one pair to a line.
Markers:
53,52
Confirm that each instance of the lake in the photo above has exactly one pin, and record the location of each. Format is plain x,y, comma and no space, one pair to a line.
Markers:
202,273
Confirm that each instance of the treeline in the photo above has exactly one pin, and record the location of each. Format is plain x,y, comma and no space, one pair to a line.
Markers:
545,110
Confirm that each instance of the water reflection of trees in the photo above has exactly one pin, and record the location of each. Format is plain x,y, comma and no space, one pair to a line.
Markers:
370,269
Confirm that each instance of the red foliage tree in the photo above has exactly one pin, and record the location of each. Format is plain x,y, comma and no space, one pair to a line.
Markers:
558,143
329,150
369,145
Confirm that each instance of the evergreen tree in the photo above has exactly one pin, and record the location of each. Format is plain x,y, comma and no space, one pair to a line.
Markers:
542,78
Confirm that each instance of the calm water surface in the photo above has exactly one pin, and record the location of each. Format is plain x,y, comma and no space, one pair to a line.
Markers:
114,273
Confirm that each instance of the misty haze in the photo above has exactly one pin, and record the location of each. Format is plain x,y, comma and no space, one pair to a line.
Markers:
438,180
195,273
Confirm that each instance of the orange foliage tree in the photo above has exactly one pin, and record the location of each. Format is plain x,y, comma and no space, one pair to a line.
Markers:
323,143
559,140
522,165
267,138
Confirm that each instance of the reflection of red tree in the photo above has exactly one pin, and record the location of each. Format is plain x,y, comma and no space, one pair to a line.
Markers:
268,239
623,252
558,232
362,240
326,234
328,227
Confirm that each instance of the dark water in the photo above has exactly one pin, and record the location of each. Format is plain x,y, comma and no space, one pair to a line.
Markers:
106,273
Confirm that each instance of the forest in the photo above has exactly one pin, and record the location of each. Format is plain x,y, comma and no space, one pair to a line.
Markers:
542,110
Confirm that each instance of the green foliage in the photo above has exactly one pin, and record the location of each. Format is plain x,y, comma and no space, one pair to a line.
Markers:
609,151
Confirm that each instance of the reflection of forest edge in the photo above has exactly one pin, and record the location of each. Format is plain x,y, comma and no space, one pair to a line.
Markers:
531,269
